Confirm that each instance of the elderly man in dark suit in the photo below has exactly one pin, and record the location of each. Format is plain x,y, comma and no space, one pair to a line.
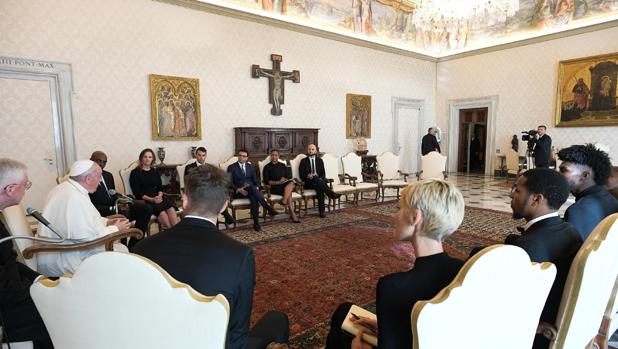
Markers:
587,169
313,174
429,142
104,199
195,252
542,148
536,196
246,185
20,318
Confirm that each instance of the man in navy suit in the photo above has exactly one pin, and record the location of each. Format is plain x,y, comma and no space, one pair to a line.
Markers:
246,185
587,169
195,252
542,148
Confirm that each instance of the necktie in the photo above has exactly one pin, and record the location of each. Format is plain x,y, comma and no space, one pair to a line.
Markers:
312,165
243,169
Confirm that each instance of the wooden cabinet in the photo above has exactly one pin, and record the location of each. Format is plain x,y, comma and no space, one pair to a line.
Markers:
259,141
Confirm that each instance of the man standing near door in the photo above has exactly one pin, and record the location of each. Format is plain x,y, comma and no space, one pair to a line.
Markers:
430,142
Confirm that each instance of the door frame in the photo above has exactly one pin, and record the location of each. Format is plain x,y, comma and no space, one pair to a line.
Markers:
60,80
453,107
398,103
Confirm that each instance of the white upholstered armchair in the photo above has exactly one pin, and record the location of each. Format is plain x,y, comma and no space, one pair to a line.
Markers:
389,174
494,302
119,300
433,165
353,174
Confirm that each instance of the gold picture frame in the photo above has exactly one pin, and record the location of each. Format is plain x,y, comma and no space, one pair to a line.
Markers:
175,108
357,116
586,91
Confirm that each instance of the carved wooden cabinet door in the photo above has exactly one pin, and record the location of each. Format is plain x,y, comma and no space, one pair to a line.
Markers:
282,141
304,138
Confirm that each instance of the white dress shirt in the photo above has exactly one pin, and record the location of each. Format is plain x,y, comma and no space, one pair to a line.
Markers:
540,218
69,209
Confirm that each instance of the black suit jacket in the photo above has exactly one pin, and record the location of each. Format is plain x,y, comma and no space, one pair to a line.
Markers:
542,151
304,169
190,167
429,144
551,240
590,207
15,278
239,180
195,252
101,199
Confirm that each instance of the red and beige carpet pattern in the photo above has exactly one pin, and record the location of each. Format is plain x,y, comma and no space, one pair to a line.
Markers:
306,270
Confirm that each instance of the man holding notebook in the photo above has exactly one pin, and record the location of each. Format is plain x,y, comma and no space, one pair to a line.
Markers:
429,211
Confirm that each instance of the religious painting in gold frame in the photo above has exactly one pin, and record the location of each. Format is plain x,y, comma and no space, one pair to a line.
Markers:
175,108
586,94
358,116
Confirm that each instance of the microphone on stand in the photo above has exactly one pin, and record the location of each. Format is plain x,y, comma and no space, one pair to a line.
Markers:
122,197
34,213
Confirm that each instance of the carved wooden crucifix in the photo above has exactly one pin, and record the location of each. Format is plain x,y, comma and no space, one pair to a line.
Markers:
276,78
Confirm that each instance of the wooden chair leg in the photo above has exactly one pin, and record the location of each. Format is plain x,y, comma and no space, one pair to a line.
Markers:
234,215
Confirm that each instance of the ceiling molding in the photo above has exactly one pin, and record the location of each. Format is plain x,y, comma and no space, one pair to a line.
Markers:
534,40
238,14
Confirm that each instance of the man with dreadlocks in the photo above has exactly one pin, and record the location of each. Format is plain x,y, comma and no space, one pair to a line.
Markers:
587,169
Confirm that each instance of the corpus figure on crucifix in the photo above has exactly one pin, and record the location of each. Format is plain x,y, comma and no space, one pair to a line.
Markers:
276,78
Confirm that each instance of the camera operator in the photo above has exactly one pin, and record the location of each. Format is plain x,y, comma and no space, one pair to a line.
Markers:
542,147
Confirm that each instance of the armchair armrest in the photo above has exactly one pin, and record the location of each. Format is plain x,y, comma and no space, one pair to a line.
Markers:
548,331
370,177
330,182
445,174
404,174
266,189
350,179
107,240
418,175
300,185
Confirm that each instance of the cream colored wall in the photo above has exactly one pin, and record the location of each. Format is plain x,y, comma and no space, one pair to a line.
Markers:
525,79
113,45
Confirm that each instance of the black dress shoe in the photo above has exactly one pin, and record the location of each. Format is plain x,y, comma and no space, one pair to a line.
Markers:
322,215
272,212
296,221
257,227
229,220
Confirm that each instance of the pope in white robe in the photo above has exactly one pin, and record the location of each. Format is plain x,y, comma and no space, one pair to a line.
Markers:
69,209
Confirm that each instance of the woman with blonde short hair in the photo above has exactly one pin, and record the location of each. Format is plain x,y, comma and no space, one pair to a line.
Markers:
429,211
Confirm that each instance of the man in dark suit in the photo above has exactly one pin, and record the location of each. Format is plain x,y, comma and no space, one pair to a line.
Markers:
587,170
104,199
312,173
195,252
245,185
19,316
430,142
542,148
200,159
536,196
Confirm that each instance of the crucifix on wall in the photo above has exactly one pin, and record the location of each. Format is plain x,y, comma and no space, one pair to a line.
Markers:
276,79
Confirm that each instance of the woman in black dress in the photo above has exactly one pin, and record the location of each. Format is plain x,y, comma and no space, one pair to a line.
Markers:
276,175
146,185
429,211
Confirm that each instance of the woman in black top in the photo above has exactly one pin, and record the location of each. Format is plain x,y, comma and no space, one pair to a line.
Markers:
429,211
277,176
146,185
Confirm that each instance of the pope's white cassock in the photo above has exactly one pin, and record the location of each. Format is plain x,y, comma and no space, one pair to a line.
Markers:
69,209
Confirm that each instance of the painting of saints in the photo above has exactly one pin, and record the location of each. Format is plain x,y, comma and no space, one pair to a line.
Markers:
358,116
174,108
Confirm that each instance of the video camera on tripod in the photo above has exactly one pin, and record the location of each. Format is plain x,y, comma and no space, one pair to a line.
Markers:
530,137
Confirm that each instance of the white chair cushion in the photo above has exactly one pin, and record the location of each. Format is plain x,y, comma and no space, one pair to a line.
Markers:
275,197
240,202
296,196
364,185
342,188
395,183
309,192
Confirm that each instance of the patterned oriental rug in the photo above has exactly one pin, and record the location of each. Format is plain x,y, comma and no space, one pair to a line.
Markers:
306,270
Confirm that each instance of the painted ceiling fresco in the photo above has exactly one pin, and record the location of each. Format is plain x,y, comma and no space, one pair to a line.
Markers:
390,22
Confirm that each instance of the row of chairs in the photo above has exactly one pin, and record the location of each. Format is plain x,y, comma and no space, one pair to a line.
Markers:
351,181
494,301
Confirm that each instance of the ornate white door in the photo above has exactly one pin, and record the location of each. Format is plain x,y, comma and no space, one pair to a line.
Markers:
409,139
